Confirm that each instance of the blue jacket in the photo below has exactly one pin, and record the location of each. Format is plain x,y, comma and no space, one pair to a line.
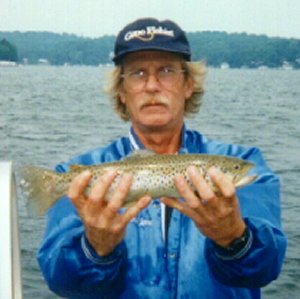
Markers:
190,266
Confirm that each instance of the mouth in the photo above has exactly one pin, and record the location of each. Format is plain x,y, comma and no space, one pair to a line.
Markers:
154,105
246,180
155,101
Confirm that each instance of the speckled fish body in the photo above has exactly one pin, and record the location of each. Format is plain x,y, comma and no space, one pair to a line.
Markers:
152,175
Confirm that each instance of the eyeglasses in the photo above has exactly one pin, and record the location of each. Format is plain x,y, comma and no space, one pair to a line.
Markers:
166,76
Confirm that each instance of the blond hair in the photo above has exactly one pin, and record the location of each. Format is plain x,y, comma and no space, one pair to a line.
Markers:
196,71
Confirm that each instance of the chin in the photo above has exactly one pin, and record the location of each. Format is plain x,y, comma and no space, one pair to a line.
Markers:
155,121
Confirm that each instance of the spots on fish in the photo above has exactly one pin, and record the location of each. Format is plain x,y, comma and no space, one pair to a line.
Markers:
152,174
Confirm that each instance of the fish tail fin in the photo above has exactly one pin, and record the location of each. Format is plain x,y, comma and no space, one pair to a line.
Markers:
38,186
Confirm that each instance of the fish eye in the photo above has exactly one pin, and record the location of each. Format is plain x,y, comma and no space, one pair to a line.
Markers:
237,167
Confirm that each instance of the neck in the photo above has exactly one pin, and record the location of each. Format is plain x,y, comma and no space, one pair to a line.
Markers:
161,141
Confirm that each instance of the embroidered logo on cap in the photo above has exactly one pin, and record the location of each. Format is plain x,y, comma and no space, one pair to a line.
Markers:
148,34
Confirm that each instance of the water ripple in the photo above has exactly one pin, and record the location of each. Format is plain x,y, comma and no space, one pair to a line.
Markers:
49,114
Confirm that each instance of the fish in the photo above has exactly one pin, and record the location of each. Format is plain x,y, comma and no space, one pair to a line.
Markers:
153,174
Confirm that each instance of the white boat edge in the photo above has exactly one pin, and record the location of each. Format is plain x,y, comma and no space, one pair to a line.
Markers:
10,270
6,63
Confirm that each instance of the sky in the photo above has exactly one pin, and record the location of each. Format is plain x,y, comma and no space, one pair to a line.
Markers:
95,18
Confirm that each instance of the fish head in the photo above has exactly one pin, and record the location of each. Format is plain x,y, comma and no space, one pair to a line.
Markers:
237,171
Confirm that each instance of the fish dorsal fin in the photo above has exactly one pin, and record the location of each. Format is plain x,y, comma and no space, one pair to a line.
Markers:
77,167
139,154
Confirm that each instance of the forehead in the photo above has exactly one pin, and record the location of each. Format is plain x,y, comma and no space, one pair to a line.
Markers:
151,56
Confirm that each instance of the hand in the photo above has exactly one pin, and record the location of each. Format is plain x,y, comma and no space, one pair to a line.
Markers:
218,216
105,227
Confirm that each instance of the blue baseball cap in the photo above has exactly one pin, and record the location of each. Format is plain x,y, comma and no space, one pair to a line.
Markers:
151,34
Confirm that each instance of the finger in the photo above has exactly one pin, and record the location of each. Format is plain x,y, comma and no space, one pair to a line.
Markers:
119,196
133,211
100,188
203,189
223,183
173,203
187,193
79,184
182,207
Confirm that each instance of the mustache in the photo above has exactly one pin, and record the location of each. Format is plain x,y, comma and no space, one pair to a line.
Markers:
154,100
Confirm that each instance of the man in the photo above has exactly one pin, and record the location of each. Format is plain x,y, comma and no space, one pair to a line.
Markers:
201,246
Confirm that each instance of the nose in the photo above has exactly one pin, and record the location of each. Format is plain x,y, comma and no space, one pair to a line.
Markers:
152,83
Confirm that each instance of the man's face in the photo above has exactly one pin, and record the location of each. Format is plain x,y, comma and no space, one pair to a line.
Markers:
155,89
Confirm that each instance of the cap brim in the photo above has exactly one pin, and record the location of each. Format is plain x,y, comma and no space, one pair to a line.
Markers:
120,56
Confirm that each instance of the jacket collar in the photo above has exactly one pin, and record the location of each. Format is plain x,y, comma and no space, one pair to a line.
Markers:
136,143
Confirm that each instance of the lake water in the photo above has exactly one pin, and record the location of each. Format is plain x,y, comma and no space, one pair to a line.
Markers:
49,114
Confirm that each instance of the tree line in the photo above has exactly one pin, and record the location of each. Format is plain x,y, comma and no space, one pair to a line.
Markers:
8,52
215,47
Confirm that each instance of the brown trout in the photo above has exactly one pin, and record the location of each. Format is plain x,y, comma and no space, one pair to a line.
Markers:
153,175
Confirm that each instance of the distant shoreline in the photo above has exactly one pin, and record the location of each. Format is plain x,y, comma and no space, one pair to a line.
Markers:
218,49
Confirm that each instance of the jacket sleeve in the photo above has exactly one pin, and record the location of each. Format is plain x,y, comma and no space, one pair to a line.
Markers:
70,265
261,260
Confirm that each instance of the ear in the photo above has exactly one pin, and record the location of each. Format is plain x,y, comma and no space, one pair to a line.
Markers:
122,96
189,88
